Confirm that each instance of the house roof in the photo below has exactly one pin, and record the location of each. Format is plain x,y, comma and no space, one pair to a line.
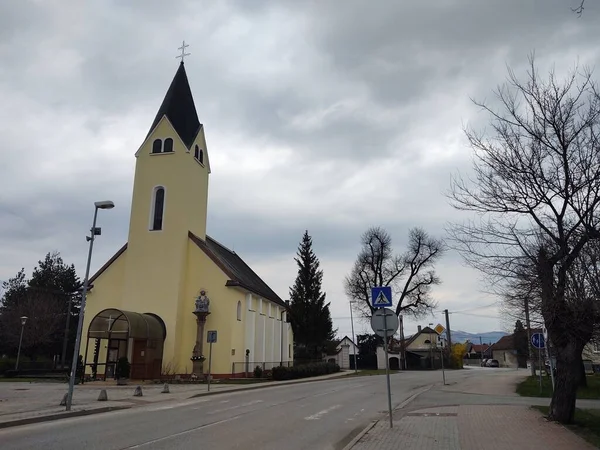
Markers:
240,274
346,337
426,330
178,106
505,343
108,263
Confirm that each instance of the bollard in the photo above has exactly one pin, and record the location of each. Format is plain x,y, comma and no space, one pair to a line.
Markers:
165,389
138,392
103,396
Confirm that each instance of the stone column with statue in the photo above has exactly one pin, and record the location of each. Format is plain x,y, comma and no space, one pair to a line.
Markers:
201,312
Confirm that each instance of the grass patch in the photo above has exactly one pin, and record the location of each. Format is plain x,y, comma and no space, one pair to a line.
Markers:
20,380
530,387
241,381
586,423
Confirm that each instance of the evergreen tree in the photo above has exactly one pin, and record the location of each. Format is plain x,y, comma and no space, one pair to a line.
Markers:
521,343
309,314
44,299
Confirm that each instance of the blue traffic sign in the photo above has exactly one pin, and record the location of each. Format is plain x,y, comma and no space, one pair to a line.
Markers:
537,340
211,337
381,297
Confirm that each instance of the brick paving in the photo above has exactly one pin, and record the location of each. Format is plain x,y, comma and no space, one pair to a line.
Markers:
471,427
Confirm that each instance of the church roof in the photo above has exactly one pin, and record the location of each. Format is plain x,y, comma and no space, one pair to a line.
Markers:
239,272
179,108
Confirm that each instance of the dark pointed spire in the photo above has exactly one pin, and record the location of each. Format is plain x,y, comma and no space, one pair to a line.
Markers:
179,108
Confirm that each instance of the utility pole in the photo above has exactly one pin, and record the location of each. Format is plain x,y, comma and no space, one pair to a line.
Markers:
528,324
402,343
448,330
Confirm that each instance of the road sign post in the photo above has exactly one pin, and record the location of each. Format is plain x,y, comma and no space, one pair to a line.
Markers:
387,368
211,337
537,340
385,323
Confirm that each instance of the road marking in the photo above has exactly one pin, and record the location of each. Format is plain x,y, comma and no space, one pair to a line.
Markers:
318,415
241,405
181,433
176,405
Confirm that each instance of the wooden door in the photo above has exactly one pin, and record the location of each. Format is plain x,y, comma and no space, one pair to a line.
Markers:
138,363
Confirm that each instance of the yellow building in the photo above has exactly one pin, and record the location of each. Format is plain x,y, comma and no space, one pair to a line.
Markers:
158,297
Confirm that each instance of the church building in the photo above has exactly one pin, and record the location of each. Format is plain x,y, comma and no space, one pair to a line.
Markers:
166,292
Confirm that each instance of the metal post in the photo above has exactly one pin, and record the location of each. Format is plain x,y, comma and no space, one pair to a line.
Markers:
402,343
66,338
19,351
448,330
81,312
540,368
443,370
481,346
353,341
387,367
209,362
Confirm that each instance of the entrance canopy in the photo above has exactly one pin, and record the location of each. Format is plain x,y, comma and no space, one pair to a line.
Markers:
118,324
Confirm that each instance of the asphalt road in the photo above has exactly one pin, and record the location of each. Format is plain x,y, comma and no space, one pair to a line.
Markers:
316,415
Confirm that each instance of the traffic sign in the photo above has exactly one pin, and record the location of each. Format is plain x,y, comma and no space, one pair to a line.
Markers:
211,337
384,326
537,340
439,328
381,296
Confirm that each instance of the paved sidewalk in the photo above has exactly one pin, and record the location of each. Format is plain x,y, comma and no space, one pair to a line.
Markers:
22,402
473,413
471,427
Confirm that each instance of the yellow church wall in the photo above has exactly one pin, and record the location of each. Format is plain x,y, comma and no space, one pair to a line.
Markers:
107,292
203,273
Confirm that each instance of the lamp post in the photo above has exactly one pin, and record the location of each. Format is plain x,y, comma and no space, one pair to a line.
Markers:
23,320
353,341
107,204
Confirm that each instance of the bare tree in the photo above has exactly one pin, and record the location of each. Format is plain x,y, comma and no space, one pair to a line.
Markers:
579,9
411,275
536,189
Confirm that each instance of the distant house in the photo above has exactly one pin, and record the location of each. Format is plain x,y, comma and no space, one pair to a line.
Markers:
478,351
422,350
591,356
345,353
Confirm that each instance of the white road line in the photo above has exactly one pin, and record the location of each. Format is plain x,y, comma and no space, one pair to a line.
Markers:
318,415
154,441
241,405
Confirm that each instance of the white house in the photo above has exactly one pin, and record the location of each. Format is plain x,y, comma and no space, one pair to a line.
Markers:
344,349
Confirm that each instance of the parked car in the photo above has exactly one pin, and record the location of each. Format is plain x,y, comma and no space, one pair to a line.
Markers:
492,363
483,362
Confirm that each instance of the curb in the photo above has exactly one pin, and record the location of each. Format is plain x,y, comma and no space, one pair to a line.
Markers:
368,428
263,386
359,436
62,415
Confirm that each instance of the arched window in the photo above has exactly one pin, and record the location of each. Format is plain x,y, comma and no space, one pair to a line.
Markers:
168,145
239,310
158,207
201,158
157,146
196,152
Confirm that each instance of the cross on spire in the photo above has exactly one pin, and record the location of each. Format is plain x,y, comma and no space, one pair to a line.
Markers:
183,53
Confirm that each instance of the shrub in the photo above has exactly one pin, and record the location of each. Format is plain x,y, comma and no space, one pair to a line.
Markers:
123,367
304,371
258,372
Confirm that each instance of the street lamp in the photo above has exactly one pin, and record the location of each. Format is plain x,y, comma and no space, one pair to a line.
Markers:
95,231
23,320
353,341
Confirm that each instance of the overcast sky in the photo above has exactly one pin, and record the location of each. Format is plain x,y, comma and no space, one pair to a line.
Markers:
327,116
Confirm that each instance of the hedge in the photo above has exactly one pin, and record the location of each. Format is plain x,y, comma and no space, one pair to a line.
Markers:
304,371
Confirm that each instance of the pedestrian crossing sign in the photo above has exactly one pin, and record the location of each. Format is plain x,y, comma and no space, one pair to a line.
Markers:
381,297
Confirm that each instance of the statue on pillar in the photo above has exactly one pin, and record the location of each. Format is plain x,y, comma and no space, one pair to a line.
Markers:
201,311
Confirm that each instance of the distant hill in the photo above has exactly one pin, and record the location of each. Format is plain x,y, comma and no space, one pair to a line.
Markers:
489,337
